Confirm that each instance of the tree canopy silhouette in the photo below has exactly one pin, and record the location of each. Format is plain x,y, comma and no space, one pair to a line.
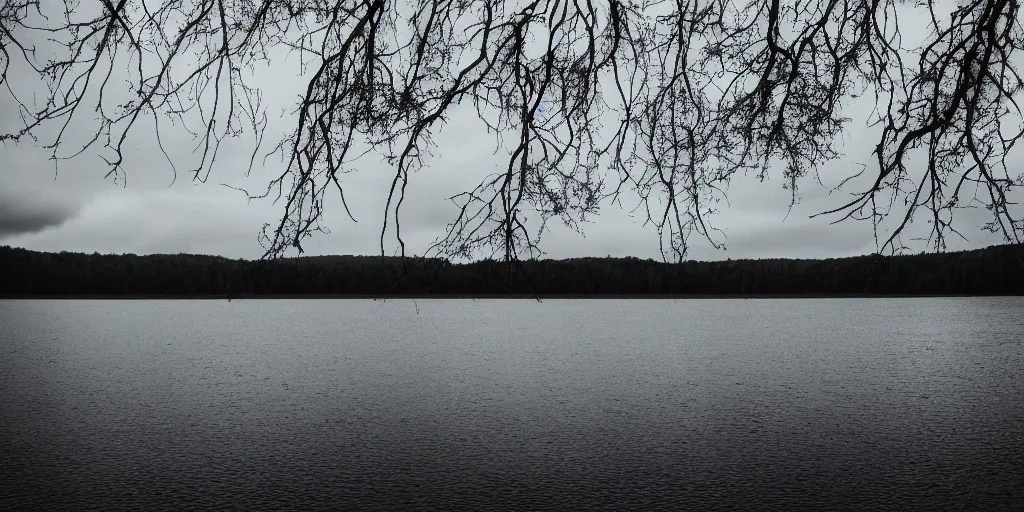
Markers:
996,270
591,99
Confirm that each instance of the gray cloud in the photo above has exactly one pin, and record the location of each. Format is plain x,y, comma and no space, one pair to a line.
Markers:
22,214
797,240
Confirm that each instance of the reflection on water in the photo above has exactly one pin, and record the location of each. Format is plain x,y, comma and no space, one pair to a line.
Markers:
597,404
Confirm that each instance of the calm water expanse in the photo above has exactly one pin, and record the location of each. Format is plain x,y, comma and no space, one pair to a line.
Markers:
823,404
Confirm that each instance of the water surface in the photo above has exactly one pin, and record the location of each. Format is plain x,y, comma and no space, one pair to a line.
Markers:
823,404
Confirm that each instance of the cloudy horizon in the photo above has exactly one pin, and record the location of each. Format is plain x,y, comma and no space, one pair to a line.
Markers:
83,212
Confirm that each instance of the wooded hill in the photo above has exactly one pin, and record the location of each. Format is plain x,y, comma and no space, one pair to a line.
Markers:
996,270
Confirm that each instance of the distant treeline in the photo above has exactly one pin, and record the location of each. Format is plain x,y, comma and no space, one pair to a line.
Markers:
992,271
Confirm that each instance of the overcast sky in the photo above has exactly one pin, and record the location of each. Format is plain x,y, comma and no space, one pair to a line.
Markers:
76,209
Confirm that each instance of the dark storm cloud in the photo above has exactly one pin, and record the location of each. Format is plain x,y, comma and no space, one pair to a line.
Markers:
22,214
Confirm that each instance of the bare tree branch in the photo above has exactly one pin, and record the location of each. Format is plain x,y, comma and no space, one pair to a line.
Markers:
593,101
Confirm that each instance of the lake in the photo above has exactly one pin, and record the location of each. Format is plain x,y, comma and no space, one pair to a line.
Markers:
818,404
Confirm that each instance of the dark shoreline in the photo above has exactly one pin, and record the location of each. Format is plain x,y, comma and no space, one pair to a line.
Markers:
314,296
997,270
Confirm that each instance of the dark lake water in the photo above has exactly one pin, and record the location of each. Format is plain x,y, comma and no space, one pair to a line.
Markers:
823,404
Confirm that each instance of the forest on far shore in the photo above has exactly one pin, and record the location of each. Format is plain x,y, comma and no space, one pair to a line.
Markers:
996,270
